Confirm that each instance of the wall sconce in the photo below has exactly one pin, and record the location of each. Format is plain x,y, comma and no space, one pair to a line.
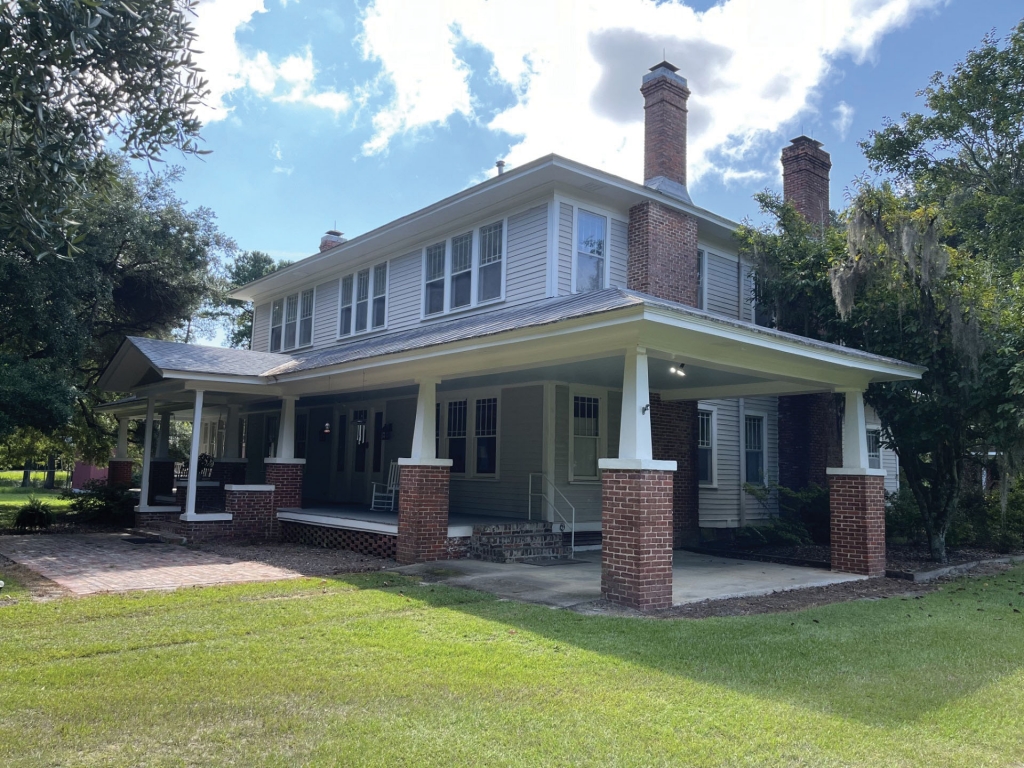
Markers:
325,432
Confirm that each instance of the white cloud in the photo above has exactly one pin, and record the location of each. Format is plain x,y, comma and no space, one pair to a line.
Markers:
287,171
575,69
230,69
844,119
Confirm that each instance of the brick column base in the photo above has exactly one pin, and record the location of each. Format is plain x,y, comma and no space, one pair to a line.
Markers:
857,506
423,512
636,546
254,514
286,477
119,472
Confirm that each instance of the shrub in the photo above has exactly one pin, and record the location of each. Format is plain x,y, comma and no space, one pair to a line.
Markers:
810,507
778,531
35,514
103,504
903,518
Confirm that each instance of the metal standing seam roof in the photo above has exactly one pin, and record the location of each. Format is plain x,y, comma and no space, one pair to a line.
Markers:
167,355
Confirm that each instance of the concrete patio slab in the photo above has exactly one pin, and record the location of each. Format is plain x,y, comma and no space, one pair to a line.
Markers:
695,578
87,564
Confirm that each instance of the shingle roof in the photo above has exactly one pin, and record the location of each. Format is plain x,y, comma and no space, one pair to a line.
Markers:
194,358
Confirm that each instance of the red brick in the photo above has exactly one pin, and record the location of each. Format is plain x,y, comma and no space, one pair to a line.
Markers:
423,513
119,472
857,508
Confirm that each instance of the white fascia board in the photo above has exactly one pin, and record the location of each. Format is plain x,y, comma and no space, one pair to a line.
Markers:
822,353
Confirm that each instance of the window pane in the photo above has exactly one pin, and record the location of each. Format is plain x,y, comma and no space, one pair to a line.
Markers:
585,416
435,262
457,435
589,273
755,467
486,455
457,453
490,282
346,306
462,285
380,280
462,253
704,465
704,429
379,312
276,320
590,251
277,312
361,316
486,436
434,300
435,297
874,449
275,339
754,434
306,322
346,321
490,243
291,313
362,296
584,457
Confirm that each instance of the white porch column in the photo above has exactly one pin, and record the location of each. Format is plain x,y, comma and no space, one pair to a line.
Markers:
635,446
231,433
122,438
193,459
163,446
425,425
147,450
855,435
286,428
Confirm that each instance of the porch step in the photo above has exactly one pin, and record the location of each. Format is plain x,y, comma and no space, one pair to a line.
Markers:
515,542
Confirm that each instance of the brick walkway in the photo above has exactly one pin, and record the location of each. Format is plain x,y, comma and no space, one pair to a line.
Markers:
103,562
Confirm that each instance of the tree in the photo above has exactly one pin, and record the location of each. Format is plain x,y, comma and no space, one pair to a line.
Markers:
143,268
248,266
75,75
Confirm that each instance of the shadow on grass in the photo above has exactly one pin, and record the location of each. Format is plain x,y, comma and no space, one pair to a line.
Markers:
879,662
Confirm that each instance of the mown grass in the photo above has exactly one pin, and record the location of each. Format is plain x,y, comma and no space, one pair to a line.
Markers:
377,670
13,499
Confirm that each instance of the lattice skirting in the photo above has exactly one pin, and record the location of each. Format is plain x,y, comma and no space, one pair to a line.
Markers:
363,542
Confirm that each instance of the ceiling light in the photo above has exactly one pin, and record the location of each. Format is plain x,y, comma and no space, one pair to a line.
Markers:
678,371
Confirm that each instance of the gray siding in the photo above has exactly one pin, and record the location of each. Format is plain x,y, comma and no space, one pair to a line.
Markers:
746,300
261,328
325,314
519,453
723,291
404,291
564,249
618,251
891,465
526,270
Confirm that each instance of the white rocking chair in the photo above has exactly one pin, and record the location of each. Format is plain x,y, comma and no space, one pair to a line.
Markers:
385,496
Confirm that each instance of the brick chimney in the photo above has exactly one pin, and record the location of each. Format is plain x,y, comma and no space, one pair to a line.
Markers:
805,167
332,238
665,95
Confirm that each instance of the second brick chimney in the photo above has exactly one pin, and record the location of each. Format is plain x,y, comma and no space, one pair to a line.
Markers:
805,168
665,96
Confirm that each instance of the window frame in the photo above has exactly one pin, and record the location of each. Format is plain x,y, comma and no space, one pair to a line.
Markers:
573,253
474,284
713,410
297,295
471,397
601,395
371,297
763,415
877,431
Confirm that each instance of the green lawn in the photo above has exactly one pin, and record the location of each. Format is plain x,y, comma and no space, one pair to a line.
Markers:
12,499
376,670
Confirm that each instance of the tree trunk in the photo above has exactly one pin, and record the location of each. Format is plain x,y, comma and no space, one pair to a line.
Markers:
51,472
937,545
26,475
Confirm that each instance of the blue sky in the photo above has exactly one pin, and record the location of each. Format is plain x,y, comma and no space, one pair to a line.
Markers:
351,114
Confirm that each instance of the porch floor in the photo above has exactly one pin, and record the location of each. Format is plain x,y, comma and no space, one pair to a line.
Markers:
695,578
361,517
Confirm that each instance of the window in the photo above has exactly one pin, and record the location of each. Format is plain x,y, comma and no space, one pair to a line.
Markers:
306,319
486,430
291,321
456,434
464,271
345,328
301,432
706,447
590,251
363,303
490,261
874,449
753,449
434,299
586,433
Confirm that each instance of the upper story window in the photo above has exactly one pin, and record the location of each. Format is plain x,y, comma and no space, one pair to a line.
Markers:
465,270
874,449
363,300
591,251
291,321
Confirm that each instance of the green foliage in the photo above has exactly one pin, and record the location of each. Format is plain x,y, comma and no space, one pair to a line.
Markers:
60,104
902,517
803,517
247,266
103,504
778,531
35,514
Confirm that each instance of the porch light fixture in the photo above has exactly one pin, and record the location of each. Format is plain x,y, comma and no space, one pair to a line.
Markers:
678,371
327,428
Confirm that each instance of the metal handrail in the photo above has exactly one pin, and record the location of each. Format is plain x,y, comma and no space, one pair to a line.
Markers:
571,522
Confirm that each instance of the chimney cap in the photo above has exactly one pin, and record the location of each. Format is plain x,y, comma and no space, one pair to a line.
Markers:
665,65
804,139
334,232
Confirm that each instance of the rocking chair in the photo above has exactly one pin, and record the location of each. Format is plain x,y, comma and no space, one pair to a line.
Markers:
385,496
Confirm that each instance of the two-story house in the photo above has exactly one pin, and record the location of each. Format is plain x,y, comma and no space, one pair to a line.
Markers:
556,349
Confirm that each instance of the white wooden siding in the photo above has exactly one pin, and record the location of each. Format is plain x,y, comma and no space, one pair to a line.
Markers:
405,287
618,252
585,497
723,290
720,507
261,328
526,271
564,249
325,315
891,465
521,436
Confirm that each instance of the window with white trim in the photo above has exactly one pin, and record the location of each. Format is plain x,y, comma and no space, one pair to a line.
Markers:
467,432
291,321
586,437
485,429
591,251
706,459
754,449
456,435
874,448
362,300
465,270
